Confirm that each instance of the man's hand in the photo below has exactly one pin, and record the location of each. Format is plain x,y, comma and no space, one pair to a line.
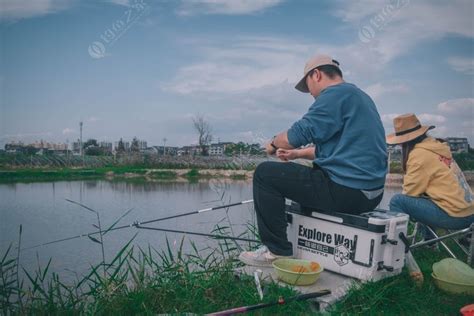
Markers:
279,141
287,154
269,149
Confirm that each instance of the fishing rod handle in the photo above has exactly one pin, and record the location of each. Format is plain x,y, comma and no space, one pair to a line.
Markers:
311,295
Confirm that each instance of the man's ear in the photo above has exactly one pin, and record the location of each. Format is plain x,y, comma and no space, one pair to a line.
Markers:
318,74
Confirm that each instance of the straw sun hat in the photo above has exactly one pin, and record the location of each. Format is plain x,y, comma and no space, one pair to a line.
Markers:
407,128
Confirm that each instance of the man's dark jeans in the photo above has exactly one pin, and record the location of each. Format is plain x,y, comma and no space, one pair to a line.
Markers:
310,187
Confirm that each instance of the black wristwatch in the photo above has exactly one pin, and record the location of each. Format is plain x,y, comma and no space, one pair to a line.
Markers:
273,145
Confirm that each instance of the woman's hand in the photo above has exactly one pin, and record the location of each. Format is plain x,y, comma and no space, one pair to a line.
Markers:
287,154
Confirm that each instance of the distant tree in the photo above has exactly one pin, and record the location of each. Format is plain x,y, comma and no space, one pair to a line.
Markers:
121,146
90,142
94,151
203,129
255,149
243,148
29,150
135,146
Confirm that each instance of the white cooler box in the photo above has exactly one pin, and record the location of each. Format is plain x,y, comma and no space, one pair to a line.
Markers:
366,246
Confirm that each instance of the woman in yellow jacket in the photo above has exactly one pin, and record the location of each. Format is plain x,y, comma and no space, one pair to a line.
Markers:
435,192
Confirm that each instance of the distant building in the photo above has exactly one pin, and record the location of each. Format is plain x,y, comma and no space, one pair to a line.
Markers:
13,147
162,150
76,146
107,146
126,145
216,150
189,150
37,146
142,145
394,152
47,145
458,144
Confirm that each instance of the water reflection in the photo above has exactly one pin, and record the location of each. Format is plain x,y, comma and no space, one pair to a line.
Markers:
45,215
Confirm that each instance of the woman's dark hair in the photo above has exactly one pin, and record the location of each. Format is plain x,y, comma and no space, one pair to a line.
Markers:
330,70
408,147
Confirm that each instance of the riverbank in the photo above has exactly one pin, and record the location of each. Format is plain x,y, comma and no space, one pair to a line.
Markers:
139,173
119,173
145,281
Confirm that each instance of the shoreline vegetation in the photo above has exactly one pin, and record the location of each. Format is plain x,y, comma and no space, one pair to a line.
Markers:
145,174
23,168
132,173
145,281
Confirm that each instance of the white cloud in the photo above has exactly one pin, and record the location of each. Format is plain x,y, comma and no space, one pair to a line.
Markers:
462,64
430,119
68,130
120,2
18,9
252,62
458,107
258,73
398,26
252,137
230,7
387,119
21,136
93,119
246,63
459,114
441,132
378,89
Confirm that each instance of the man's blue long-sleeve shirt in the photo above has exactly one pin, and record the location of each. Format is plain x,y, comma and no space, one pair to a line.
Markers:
344,125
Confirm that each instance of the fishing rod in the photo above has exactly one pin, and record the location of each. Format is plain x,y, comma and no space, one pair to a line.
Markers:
198,234
280,301
136,223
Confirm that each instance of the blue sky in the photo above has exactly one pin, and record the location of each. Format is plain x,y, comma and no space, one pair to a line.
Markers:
145,68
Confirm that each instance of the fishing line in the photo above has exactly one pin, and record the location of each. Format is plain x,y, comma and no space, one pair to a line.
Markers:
141,223
198,234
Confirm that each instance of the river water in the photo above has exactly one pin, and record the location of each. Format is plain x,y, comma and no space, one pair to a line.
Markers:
45,215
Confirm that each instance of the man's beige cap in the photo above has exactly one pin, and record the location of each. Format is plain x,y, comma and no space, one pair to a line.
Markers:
313,62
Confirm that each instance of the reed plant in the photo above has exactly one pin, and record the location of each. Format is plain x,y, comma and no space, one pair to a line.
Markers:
141,280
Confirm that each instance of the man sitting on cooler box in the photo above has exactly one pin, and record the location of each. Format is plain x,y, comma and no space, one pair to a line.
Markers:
349,159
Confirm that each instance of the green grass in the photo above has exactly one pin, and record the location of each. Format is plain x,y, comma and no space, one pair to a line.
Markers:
238,177
70,174
142,282
146,282
139,281
193,173
400,296
163,175
32,175
465,160
395,167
